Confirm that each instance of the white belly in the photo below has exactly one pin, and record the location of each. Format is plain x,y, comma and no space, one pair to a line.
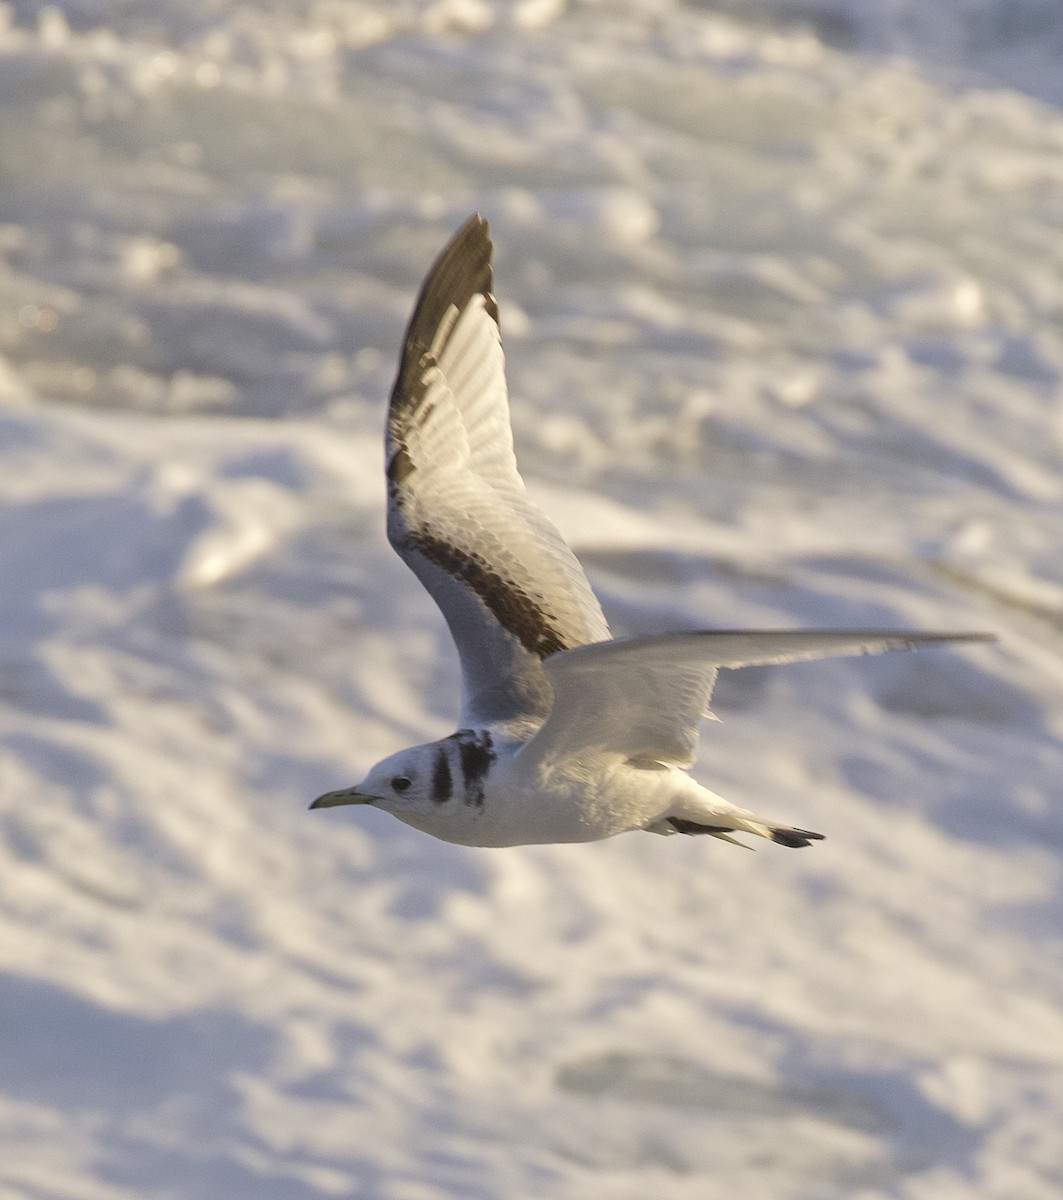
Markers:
580,804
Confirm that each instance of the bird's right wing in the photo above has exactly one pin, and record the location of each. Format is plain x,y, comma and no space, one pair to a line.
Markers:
510,589
643,698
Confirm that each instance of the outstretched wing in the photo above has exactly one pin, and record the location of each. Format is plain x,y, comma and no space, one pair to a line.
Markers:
644,697
510,589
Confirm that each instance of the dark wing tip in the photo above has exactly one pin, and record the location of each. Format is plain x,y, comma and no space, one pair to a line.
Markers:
462,270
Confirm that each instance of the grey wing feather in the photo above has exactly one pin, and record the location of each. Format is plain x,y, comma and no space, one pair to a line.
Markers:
644,698
510,589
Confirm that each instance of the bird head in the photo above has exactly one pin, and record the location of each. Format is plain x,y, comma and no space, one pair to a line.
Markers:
398,784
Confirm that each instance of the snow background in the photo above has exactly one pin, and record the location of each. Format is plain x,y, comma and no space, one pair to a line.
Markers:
782,292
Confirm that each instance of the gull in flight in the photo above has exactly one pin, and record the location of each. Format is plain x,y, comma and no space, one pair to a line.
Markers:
566,734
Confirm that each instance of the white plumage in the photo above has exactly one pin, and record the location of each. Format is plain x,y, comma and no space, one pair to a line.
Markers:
566,735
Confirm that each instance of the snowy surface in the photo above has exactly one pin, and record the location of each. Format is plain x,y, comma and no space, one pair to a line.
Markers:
782,288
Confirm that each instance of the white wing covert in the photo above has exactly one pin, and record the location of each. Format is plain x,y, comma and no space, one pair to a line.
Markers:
510,589
644,698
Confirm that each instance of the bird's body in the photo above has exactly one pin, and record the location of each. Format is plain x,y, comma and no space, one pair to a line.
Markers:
566,735
483,791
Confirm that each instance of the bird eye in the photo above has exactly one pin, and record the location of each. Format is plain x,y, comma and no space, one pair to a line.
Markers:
400,783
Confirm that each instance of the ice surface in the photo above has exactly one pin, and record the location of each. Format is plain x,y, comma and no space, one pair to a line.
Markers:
782,294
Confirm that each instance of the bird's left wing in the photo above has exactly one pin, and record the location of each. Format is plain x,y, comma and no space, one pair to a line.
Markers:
643,698
510,589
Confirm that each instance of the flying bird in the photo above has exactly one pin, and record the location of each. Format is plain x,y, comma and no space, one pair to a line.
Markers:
567,735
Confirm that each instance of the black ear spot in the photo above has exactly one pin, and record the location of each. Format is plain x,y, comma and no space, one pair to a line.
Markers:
400,783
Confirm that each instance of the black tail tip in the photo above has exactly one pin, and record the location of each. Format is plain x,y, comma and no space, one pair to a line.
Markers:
795,838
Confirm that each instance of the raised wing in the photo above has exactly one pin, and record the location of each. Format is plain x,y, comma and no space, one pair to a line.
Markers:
510,589
643,698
